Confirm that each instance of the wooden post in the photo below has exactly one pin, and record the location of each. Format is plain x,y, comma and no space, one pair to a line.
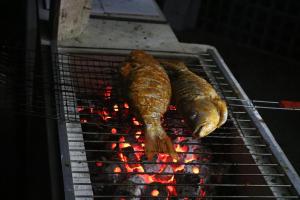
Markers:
73,18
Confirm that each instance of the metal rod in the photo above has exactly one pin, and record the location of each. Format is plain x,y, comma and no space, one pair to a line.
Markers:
183,135
186,196
183,174
198,184
204,153
182,143
177,163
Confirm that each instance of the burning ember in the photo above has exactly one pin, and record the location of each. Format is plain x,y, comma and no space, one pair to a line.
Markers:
161,177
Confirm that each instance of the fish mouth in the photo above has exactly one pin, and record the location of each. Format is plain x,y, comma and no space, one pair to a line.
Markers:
197,133
203,129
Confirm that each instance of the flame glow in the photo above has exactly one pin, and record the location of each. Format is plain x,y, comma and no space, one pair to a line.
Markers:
116,108
196,170
126,105
155,193
114,131
113,145
117,170
131,150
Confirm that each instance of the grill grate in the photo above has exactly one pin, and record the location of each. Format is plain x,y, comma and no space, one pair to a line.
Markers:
240,163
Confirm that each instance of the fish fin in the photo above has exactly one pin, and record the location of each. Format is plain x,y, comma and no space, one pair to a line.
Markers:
125,69
157,141
222,109
173,65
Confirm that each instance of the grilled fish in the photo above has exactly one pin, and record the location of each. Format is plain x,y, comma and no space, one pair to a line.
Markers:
196,99
149,92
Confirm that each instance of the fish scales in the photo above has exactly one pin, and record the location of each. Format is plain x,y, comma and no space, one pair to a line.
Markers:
196,99
149,92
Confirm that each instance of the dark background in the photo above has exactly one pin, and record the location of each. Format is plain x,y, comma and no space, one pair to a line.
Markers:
258,39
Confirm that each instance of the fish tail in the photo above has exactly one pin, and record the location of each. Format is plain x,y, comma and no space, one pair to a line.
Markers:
222,109
157,141
173,65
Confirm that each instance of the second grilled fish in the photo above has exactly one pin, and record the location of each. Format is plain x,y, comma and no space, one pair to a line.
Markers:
196,99
149,92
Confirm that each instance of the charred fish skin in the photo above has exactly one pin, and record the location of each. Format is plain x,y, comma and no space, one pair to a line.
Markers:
149,93
196,99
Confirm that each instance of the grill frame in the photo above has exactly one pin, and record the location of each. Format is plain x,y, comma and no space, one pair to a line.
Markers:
251,111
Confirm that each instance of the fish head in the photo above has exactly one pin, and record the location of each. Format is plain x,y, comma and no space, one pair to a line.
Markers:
203,117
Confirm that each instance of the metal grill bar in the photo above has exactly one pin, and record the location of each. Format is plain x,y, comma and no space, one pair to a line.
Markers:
178,163
183,174
188,196
200,153
205,184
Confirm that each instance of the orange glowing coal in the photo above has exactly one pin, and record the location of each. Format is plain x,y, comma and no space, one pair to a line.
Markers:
117,170
181,149
114,131
123,144
190,158
113,145
162,159
99,164
83,121
155,193
107,92
172,190
171,107
138,134
104,114
135,122
126,105
202,193
79,108
116,108
196,170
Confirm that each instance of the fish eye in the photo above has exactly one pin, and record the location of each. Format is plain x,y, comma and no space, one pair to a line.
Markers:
193,115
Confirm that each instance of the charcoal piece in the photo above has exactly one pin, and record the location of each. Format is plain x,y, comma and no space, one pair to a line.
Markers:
191,189
152,168
129,190
155,191
129,153
113,173
134,187
165,176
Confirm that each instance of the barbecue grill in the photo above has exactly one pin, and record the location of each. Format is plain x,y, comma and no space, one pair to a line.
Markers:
104,155
73,87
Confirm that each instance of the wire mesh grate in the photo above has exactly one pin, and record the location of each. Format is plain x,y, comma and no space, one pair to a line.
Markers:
236,160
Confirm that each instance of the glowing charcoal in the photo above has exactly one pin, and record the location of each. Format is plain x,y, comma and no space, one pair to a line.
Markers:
155,193
114,131
123,144
171,190
196,170
117,170
79,109
99,164
113,145
116,108
172,107
83,121
126,105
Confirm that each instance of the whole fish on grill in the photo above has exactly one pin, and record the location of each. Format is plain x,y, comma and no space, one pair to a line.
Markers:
149,92
196,99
